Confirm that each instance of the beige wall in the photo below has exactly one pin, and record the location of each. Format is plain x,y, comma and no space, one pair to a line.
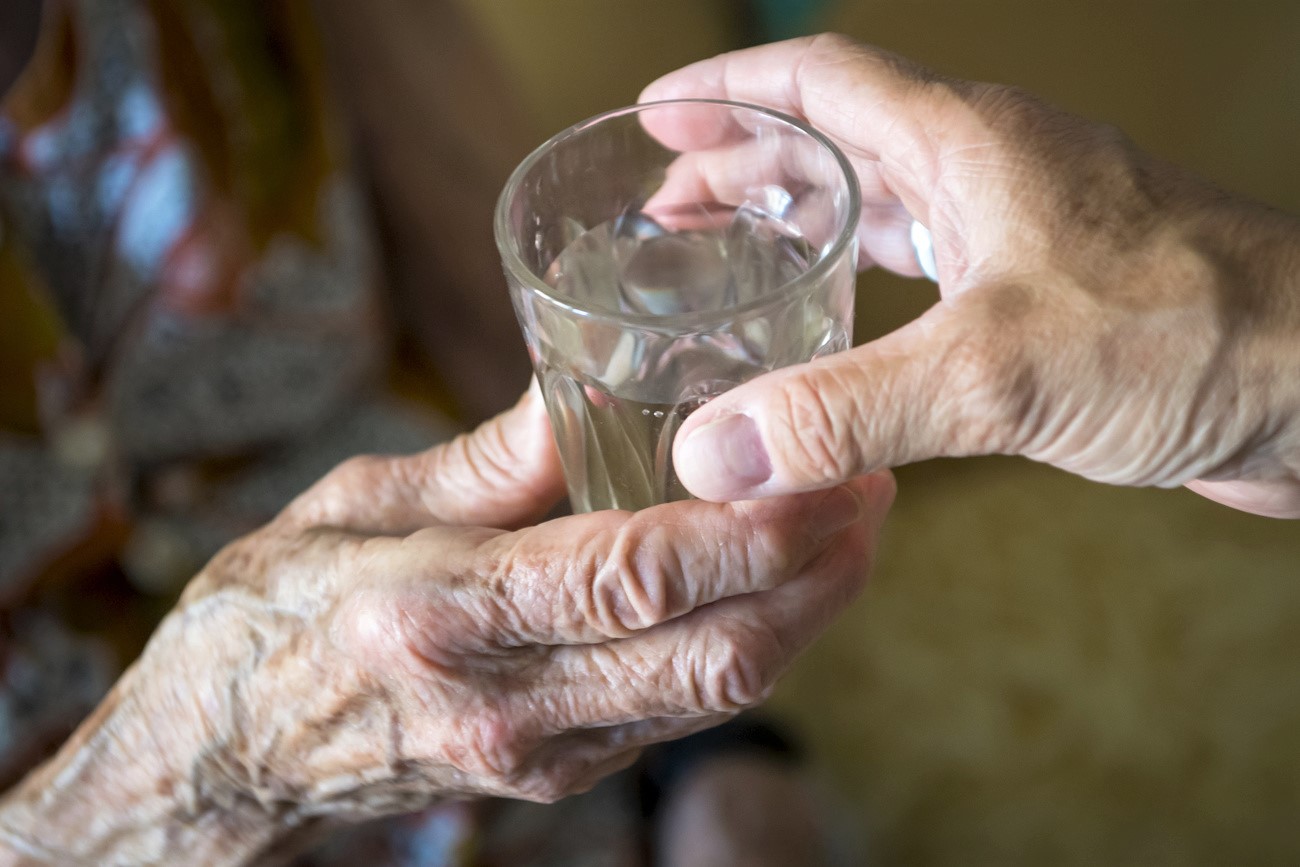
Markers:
1213,85
575,58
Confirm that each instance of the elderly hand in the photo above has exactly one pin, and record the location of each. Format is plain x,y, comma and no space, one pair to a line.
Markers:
378,647
1100,310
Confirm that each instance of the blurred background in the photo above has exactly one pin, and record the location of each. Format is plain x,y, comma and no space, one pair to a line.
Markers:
288,198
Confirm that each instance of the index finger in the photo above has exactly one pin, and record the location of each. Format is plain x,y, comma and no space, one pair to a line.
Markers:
731,175
587,579
591,578
874,104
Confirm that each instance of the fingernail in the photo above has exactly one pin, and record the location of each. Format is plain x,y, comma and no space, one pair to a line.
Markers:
837,510
724,458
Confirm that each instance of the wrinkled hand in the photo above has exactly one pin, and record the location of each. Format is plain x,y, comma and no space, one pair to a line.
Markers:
1100,310
378,647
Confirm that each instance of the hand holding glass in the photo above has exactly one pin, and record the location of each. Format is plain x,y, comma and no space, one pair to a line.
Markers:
661,254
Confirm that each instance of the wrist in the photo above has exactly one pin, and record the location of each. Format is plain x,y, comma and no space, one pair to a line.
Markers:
1254,254
133,785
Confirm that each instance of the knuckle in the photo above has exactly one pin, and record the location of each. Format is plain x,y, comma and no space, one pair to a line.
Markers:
736,673
815,433
626,585
831,47
491,746
358,472
328,500
1008,106
1113,137
357,466
1039,134
831,43
638,576
387,635
565,776
543,790
363,633
1048,138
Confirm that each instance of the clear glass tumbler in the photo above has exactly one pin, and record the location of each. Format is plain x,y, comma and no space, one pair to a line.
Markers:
661,254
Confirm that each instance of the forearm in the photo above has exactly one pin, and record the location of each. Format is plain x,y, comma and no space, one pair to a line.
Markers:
116,794
232,739
155,774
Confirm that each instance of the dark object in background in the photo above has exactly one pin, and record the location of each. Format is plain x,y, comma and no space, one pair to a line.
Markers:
20,22
758,21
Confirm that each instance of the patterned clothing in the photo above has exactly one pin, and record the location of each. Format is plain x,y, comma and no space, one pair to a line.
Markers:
192,331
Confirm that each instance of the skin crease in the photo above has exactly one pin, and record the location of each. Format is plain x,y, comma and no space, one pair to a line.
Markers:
1100,310
381,646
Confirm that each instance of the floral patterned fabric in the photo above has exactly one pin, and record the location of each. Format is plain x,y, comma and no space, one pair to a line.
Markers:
192,330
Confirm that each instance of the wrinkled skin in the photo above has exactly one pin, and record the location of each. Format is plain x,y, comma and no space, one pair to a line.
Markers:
1100,310
379,647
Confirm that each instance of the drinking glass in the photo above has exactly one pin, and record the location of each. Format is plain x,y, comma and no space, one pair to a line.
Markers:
660,254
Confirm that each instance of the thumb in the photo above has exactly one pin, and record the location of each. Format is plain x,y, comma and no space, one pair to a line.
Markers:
923,391
504,474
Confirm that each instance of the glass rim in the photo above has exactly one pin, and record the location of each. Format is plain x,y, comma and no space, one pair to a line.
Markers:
526,276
